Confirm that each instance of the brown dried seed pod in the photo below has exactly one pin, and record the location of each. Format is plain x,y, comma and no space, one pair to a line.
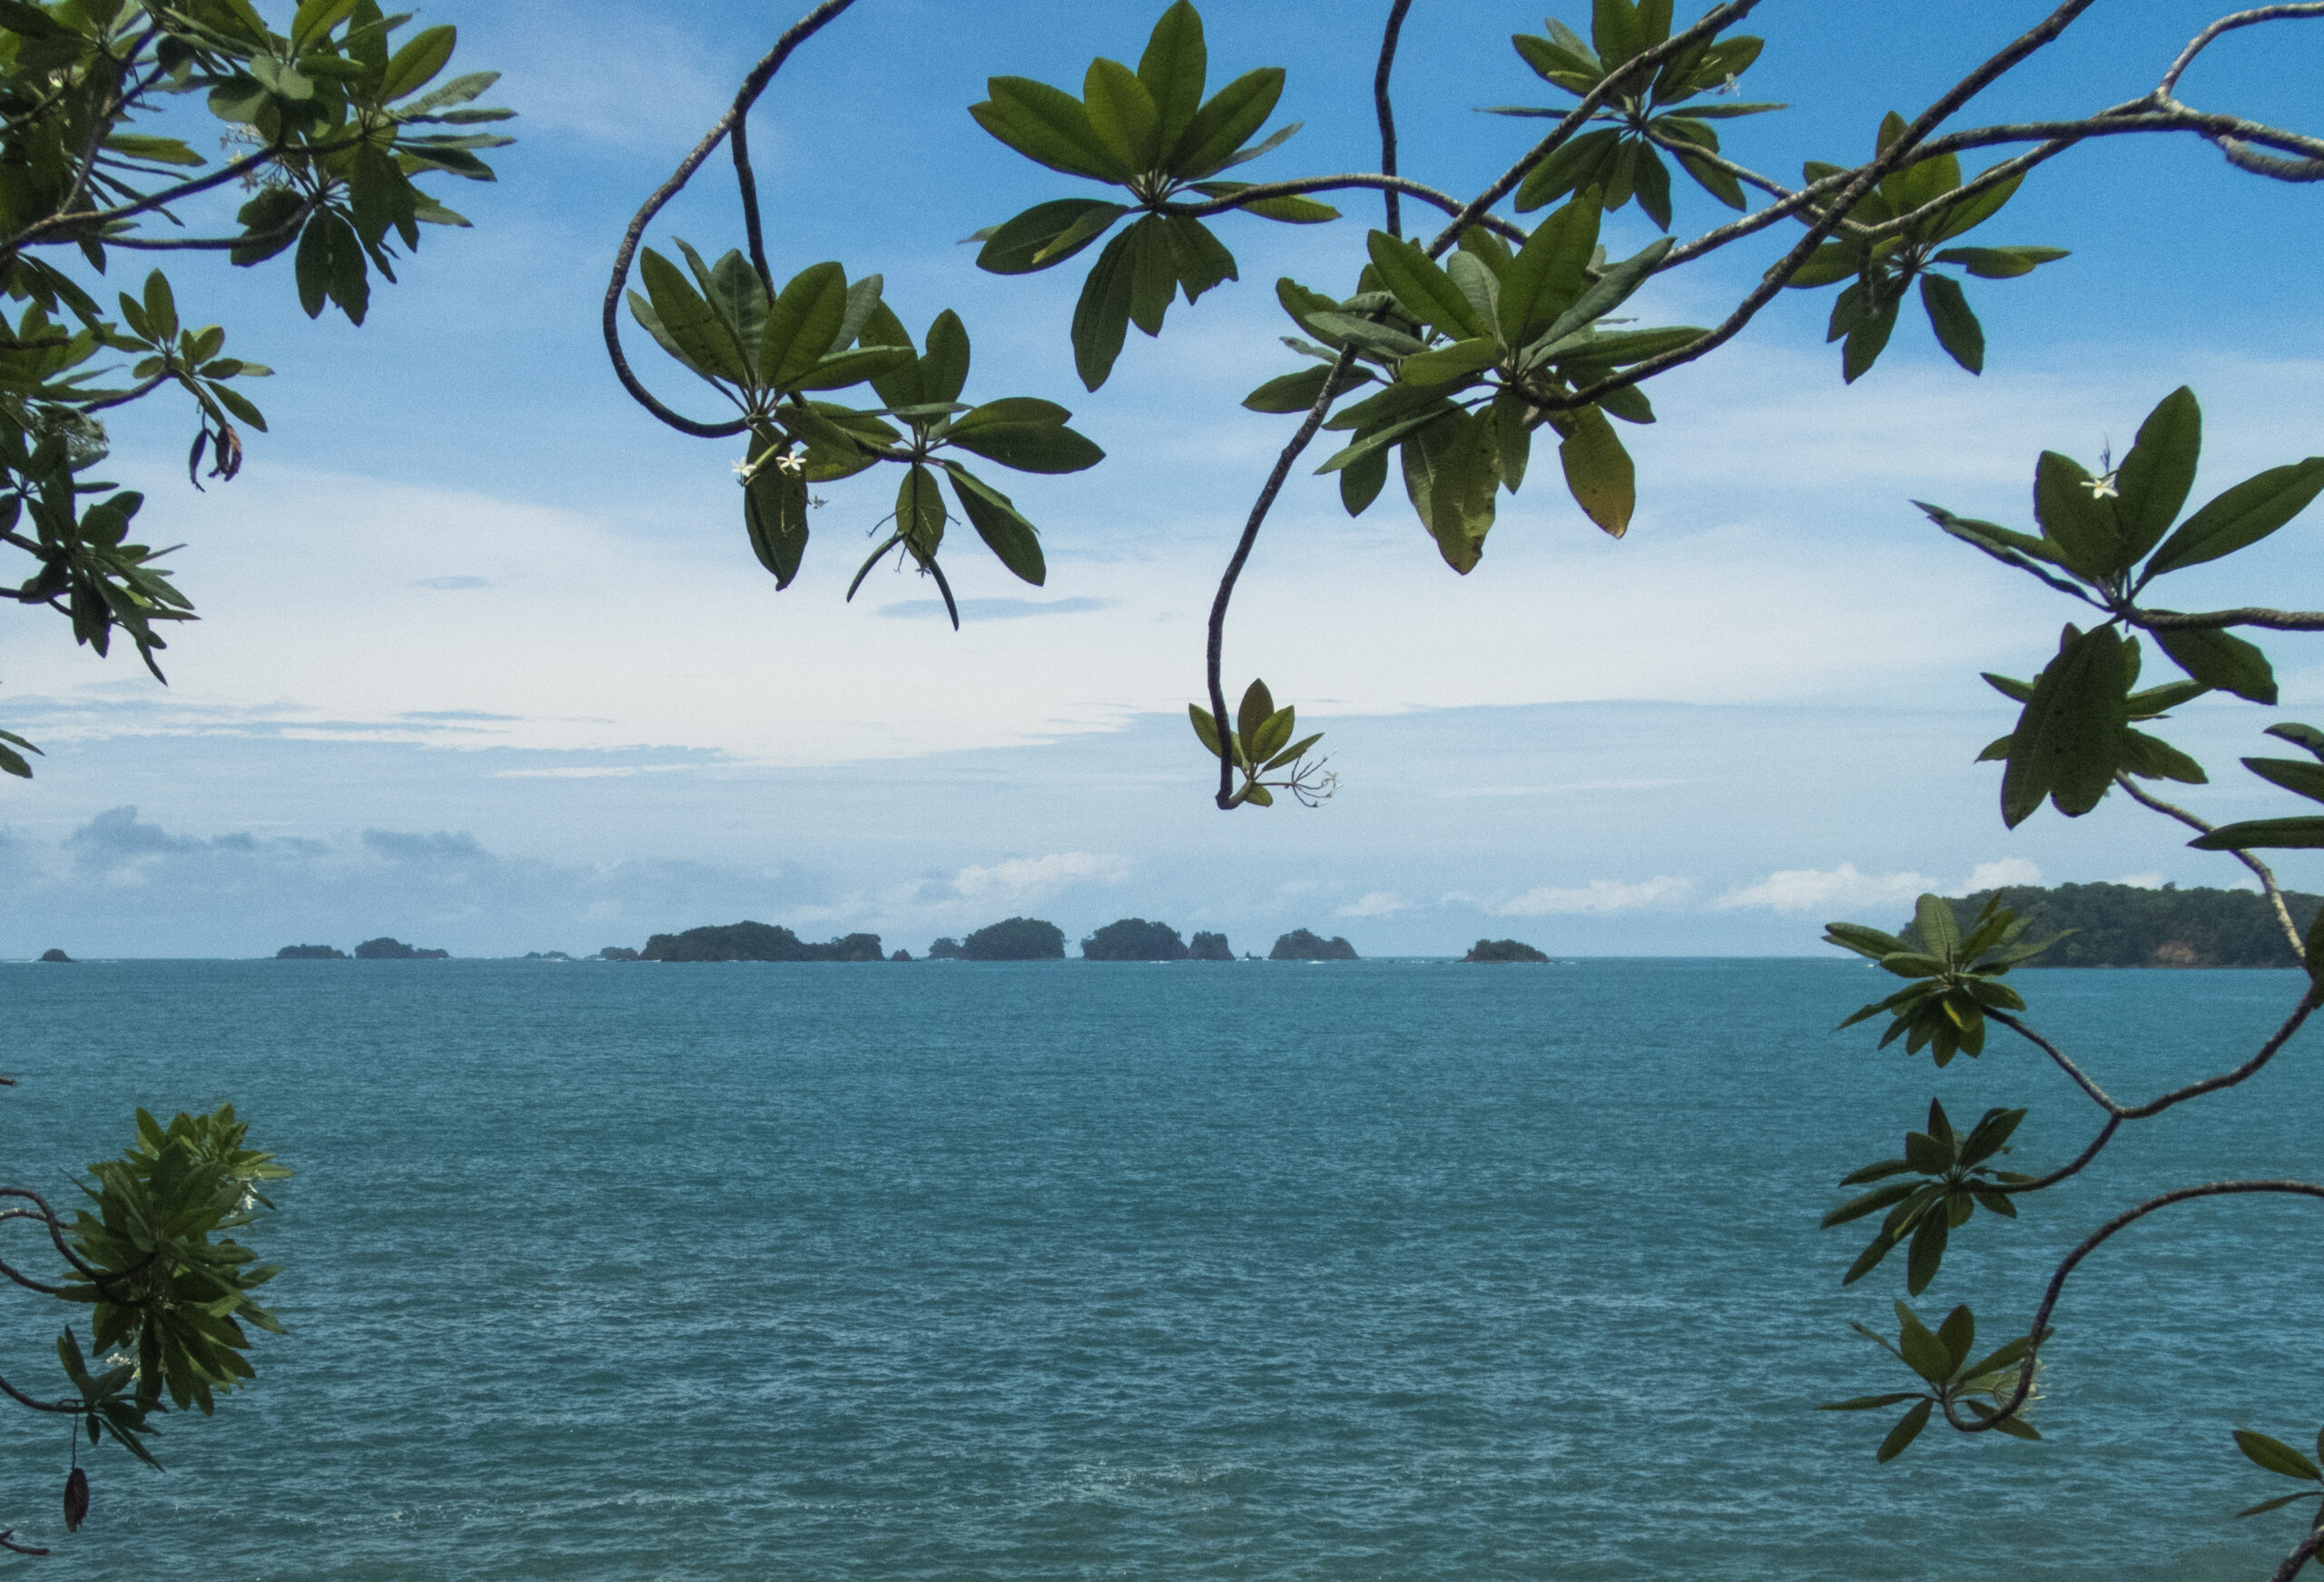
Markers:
76,1500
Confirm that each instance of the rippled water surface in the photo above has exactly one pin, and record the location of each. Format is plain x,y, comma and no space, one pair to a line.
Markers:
1384,1270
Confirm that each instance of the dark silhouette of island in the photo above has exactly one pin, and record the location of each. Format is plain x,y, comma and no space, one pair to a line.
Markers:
2123,925
947,950
1133,939
56,956
310,953
1299,945
619,953
545,955
385,950
899,956
1493,952
1208,948
1014,939
749,941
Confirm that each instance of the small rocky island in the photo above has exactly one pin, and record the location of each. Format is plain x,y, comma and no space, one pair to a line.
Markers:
1493,952
55,956
1133,939
1205,947
385,950
1300,945
310,953
750,942
1010,939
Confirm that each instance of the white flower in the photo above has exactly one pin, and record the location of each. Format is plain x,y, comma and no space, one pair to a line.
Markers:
2102,487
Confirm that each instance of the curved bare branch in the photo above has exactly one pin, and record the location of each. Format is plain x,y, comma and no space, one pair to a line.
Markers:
1385,108
2266,875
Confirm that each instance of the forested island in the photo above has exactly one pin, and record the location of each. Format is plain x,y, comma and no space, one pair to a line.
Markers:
1493,952
1300,945
2123,925
749,941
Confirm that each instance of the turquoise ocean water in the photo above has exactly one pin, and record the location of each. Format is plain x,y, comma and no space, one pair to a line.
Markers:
1383,1270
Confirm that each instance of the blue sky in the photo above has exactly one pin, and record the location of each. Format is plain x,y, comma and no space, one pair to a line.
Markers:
488,664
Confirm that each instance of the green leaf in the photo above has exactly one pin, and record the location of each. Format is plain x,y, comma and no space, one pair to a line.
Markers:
1048,126
1205,727
775,513
1123,114
415,66
1361,480
919,512
2299,735
2275,1456
1514,437
1831,262
2264,834
1026,434
1923,1352
1608,292
2067,739
1294,209
1174,68
683,321
1450,364
1908,1429
1101,316
1958,1332
2277,1503
1546,276
1577,166
801,324
2155,476
1219,128
1957,329
2241,517
1451,477
998,523
2000,263
1939,930
2219,659
1153,276
1479,283
1423,290
1047,234
2076,518
1867,337
1598,472
1615,31
1256,708
1870,1403
1294,392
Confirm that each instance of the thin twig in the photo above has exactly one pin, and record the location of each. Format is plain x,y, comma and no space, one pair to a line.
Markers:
2213,620
1299,442
1386,109
2064,1063
2228,24
748,182
2266,875
753,85
2097,1146
2038,1330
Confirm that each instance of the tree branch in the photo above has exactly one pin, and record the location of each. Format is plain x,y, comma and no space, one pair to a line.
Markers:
2170,84
755,84
748,184
1299,185
1386,110
2096,1239
2212,620
2266,875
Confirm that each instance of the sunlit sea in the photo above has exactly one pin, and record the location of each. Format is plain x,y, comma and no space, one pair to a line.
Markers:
1381,1270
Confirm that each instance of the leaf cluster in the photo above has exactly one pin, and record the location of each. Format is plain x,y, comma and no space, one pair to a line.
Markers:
1941,1358
1954,978
1152,132
1259,743
2104,537
1475,355
2274,1455
770,353
168,1287
1640,119
1955,1182
1893,238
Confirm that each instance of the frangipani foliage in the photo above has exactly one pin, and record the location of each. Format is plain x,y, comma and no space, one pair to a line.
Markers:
2104,538
1641,119
1258,744
334,123
1952,977
768,352
1153,134
168,1288
1896,239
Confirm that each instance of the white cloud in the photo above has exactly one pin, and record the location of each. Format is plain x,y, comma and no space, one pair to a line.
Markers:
1600,895
2008,871
2141,880
1812,890
1380,903
1030,876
